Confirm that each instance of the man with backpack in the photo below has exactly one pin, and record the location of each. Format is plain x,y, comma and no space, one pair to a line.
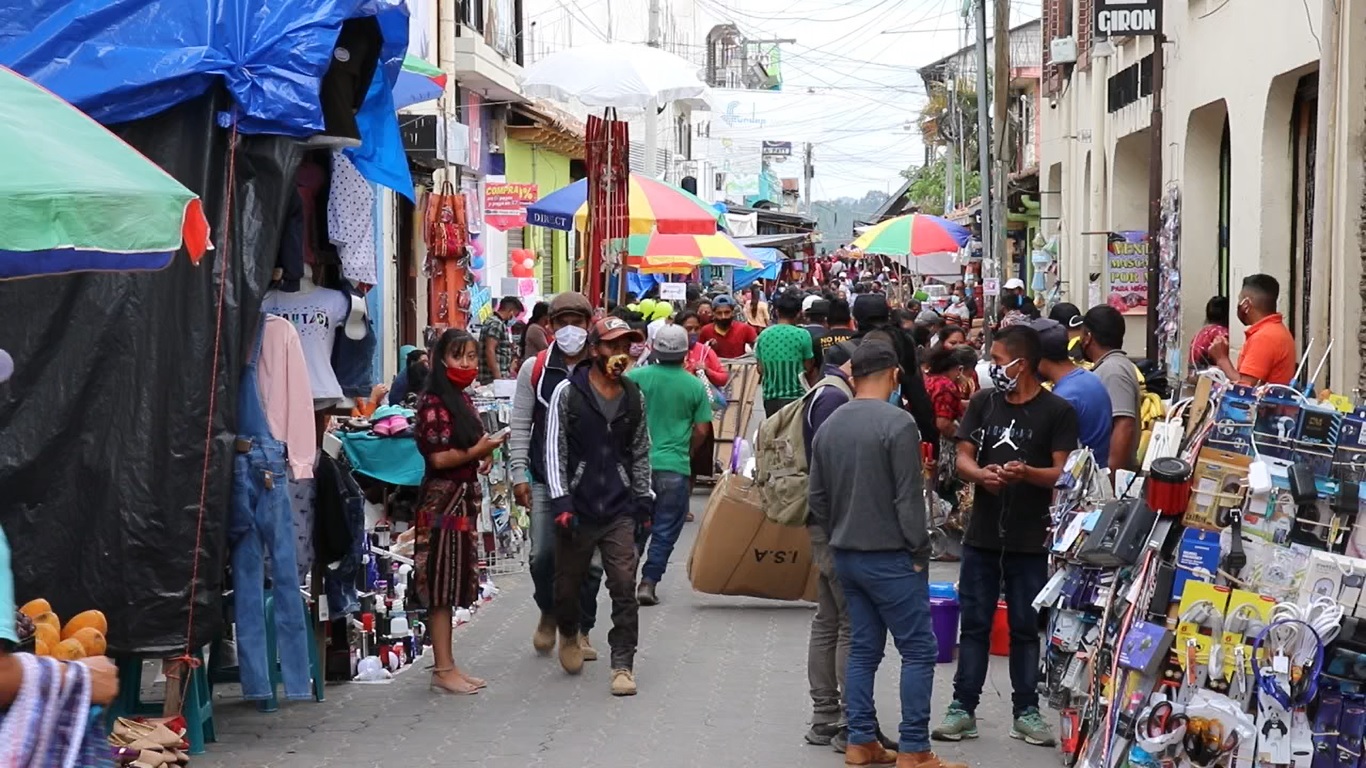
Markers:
570,314
867,497
597,457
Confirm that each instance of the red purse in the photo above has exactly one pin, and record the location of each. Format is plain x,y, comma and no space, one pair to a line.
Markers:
446,229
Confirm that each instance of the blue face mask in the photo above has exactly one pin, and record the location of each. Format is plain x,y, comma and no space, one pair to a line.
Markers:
895,397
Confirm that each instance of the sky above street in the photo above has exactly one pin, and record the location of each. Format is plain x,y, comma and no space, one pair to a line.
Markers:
866,52
859,56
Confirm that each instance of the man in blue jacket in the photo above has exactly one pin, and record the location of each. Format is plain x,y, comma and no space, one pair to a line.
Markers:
598,465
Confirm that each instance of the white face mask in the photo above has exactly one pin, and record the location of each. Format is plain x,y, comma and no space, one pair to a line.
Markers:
570,339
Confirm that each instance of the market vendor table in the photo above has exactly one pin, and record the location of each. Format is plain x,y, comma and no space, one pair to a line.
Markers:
393,460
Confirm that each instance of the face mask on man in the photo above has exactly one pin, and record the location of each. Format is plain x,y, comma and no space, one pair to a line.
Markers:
1244,310
724,322
570,339
692,340
614,365
1002,380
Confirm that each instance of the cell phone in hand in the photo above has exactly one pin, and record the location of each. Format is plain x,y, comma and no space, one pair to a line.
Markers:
500,434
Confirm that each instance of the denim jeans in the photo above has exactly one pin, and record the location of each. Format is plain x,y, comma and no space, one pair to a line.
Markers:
615,542
671,509
543,563
827,653
261,526
888,591
979,588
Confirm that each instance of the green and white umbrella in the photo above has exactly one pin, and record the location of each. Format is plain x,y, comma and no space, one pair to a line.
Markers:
76,198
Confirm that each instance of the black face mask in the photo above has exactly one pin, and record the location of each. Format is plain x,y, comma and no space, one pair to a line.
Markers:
724,323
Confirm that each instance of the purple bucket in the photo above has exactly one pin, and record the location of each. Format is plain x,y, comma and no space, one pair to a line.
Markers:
944,614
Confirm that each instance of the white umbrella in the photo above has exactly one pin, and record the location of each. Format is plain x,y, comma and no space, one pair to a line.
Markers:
621,75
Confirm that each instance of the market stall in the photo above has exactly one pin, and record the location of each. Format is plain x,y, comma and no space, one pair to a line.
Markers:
1209,613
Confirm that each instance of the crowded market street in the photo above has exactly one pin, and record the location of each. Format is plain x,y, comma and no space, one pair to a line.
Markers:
723,683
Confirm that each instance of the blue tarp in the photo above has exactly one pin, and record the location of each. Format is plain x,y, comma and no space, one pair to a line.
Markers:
773,262
123,60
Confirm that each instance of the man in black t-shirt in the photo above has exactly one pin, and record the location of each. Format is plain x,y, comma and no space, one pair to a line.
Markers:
1012,444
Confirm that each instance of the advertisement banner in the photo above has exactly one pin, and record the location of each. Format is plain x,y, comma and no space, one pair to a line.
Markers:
1128,272
505,204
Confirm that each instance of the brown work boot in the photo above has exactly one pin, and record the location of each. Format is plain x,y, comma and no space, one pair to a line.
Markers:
544,639
924,760
589,652
623,682
872,753
571,654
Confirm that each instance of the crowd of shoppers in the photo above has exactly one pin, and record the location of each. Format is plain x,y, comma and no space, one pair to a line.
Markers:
606,441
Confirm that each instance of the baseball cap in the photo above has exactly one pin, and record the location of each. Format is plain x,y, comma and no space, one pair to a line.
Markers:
818,308
1052,338
613,328
670,344
570,302
723,300
928,317
6,366
870,307
1066,314
1014,284
873,357
809,302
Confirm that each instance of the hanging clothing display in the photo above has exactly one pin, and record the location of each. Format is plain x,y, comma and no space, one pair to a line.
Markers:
261,525
351,221
318,315
303,496
339,535
282,375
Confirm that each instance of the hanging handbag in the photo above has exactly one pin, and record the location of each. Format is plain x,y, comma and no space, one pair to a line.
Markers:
445,224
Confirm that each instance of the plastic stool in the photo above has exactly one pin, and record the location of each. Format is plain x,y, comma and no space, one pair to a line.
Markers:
196,706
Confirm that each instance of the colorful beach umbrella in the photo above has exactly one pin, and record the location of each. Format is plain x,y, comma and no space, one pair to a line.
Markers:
653,205
923,243
75,198
677,254
418,81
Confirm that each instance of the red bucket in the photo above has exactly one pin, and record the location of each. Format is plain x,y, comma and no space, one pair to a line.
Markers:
1000,631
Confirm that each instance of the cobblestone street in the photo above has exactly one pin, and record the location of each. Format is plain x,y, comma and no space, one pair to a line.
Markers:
722,683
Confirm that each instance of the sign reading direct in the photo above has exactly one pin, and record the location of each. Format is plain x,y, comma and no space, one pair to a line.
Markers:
1131,18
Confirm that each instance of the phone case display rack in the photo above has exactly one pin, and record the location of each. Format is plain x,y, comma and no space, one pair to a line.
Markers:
1210,611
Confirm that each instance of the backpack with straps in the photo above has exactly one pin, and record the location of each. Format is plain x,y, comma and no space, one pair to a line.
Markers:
781,463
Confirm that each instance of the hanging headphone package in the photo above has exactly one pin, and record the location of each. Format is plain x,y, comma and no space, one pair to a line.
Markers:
1120,534
1233,421
1318,438
1277,427
1349,459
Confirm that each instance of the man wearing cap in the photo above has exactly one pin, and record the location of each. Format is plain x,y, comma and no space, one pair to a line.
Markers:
597,458
728,336
570,314
815,310
867,497
1078,386
678,414
1069,317
1012,444
873,316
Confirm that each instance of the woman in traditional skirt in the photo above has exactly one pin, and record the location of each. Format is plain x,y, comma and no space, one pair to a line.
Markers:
451,437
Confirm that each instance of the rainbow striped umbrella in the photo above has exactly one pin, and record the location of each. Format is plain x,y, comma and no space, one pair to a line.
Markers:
678,254
913,235
653,205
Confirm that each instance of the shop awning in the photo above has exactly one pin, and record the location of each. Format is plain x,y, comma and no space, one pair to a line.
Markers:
775,241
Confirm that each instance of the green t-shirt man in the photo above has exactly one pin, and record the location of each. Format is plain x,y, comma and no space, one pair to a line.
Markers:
675,401
783,350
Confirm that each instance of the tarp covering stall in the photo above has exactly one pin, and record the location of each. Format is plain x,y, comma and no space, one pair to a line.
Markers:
105,426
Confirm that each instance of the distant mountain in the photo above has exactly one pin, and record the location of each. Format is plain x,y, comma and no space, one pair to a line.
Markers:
836,217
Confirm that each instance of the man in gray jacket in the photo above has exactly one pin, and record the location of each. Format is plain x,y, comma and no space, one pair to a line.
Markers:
570,314
867,494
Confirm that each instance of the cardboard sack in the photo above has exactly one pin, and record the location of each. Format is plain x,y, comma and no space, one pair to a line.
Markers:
739,551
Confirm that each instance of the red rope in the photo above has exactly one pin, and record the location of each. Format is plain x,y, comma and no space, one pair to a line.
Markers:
224,257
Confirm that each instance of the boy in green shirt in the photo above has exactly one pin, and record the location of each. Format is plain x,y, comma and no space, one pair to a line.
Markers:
784,354
678,415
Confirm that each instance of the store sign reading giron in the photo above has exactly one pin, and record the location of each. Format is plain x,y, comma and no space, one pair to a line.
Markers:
1121,18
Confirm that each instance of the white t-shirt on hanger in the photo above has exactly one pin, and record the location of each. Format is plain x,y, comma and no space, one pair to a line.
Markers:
318,314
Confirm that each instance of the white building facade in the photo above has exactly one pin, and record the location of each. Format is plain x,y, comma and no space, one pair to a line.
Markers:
1261,141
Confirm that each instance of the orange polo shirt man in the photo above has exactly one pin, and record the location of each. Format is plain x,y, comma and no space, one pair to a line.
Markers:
1268,355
